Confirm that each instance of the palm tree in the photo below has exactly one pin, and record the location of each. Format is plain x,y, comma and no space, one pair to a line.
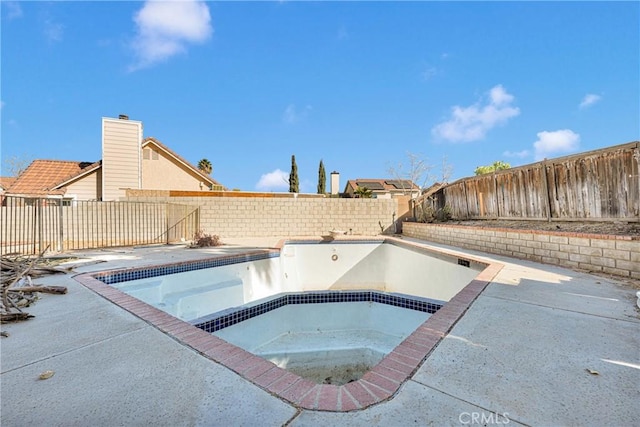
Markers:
362,192
205,166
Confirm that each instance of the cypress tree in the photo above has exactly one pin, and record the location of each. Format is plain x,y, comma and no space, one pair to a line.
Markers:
322,179
293,177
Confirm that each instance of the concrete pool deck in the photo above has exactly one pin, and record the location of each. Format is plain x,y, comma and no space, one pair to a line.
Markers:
520,355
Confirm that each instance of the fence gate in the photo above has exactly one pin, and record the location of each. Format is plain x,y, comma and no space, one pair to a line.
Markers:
34,225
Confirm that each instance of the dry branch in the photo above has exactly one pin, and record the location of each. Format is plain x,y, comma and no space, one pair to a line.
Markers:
17,289
43,289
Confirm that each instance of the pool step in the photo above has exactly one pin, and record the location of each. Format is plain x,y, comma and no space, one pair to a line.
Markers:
200,301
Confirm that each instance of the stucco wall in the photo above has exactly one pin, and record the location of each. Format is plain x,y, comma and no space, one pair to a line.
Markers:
162,172
269,216
88,187
618,255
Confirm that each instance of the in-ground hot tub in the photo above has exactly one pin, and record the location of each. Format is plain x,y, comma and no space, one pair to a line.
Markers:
330,337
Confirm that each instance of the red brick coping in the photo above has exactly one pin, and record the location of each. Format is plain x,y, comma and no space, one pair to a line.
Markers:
377,385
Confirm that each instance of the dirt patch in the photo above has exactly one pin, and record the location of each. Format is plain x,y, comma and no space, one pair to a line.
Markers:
616,228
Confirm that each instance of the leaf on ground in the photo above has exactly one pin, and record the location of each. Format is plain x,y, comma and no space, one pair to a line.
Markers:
46,375
592,372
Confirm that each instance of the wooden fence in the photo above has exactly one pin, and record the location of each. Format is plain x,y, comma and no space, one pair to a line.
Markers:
33,225
601,185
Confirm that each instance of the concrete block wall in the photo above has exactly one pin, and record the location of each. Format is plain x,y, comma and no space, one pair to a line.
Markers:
618,255
285,217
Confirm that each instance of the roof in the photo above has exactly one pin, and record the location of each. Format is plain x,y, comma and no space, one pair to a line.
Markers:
6,181
42,177
382,185
157,143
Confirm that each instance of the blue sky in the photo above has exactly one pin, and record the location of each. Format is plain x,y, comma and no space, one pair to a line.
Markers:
356,84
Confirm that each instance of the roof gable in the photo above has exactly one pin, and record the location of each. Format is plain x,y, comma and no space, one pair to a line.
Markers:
178,159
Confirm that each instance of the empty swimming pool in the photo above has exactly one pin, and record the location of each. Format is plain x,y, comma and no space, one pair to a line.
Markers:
327,281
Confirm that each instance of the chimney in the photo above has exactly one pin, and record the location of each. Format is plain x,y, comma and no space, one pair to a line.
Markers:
123,117
121,157
335,183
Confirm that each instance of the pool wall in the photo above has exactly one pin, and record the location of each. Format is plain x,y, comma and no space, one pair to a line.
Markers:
298,265
377,385
340,266
190,294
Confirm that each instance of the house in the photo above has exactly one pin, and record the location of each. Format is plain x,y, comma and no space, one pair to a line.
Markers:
5,182
56,178
128,162
382,188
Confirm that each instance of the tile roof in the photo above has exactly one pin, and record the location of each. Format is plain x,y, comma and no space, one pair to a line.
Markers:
6,181
42,176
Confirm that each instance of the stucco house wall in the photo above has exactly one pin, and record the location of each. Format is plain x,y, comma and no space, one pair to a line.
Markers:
88,187
161,172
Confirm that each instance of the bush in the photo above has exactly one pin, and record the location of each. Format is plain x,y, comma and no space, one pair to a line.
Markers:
202,239
429,214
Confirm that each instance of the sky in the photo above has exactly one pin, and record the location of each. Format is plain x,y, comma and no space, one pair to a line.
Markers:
363,86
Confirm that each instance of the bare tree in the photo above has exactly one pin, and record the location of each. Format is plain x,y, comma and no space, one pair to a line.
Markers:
14,165
415,169
419,171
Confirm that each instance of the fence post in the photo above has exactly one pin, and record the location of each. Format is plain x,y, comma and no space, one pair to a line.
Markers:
37,226
495,190
545,184
60,227
166,215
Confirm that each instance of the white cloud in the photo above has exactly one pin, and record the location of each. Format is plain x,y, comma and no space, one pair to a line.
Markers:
53,31
164,28
472,123
293,115
273,181
519,154
589,99
13,9
555,142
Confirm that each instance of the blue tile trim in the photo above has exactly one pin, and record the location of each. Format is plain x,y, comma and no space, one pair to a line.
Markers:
232,316
142,273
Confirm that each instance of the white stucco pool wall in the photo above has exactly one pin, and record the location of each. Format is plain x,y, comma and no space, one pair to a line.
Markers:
380,266
303,267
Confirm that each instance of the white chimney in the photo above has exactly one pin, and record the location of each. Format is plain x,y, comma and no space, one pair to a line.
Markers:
121,167
335,182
